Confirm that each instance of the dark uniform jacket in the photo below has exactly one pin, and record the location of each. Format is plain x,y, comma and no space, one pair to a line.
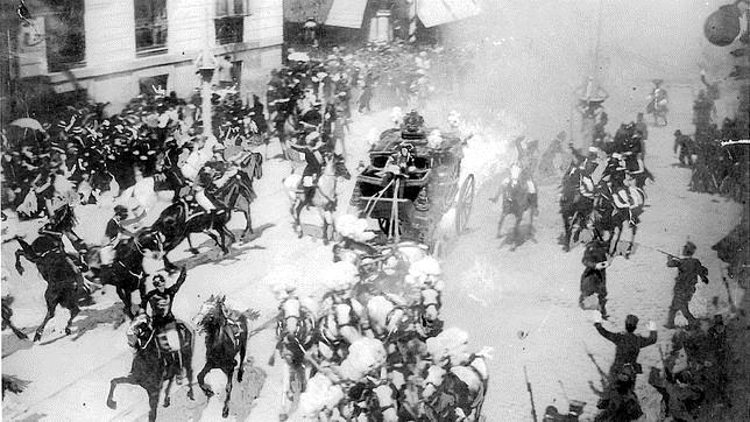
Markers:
161,302
628,346
688,271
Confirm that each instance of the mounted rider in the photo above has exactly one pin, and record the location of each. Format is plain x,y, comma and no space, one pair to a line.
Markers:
115,232
313,151
522,170
164,323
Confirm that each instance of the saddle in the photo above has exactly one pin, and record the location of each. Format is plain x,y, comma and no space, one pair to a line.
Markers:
168,338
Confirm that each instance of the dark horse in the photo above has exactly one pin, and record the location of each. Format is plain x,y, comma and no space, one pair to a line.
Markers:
125,272
516,201
152,365
65,284
176,224
237,194
225,338
576,204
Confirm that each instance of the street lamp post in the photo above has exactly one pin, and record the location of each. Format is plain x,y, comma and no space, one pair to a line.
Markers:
206,68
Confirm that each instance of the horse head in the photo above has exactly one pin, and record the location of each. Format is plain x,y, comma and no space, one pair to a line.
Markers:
141,332
211,316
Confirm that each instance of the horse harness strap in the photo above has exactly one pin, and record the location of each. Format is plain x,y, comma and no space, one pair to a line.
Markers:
138,276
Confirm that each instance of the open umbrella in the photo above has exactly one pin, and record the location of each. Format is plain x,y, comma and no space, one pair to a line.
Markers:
28,122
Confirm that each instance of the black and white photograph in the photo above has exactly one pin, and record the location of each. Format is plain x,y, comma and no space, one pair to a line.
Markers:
375,210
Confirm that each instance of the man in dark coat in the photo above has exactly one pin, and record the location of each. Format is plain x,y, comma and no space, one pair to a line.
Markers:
628,344
594,277
684,144
161,300
688,271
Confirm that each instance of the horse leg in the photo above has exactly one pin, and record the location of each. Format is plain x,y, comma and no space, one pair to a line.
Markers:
516,232
248,225
325,215
127,302
168,265
202,380
73,313
531,225
297,211
192,249
229,371
111,403
167,399
500,226
568,231
153,403
243,352
51,305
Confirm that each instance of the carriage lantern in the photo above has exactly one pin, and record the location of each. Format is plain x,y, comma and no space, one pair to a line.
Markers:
723,25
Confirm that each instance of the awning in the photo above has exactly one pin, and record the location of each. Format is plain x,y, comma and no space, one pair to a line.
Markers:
347,13
438,12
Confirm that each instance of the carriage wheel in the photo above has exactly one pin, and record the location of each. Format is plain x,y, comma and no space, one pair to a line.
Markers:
465,201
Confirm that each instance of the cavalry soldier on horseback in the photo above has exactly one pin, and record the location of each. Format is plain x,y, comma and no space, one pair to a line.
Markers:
161,300
313,151
115,232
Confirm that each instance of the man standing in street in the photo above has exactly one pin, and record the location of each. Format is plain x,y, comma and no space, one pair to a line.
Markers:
628,344
594,277
688,271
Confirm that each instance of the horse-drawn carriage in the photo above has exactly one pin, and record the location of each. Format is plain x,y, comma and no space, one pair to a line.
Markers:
413,182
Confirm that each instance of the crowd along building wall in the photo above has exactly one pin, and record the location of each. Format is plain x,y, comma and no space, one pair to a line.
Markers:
130,45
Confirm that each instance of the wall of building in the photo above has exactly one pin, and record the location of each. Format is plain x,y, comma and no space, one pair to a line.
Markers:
112,70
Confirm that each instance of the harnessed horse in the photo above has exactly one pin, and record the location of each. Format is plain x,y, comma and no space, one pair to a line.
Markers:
295,329
152,366
457,393
225,338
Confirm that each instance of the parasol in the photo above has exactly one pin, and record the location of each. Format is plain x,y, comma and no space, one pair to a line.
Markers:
29,123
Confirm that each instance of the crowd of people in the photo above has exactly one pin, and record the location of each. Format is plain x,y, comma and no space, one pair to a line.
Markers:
719,163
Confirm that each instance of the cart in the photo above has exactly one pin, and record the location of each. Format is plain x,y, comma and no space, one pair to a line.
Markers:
412,183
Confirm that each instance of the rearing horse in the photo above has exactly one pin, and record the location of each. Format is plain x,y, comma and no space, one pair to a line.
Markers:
576,203
324,198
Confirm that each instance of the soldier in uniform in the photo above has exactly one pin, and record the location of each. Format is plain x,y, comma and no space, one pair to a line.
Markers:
684,144
314,158
594,277
689,270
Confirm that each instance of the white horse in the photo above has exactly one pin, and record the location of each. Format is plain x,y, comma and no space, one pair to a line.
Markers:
324,199
386,315
456,405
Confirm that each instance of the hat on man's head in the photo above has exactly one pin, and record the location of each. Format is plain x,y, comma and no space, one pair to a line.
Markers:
121,209
631,320
689,248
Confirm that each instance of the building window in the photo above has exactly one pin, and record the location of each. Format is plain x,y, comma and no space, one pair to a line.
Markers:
230,19
237,72
148,86
150,27
65,35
